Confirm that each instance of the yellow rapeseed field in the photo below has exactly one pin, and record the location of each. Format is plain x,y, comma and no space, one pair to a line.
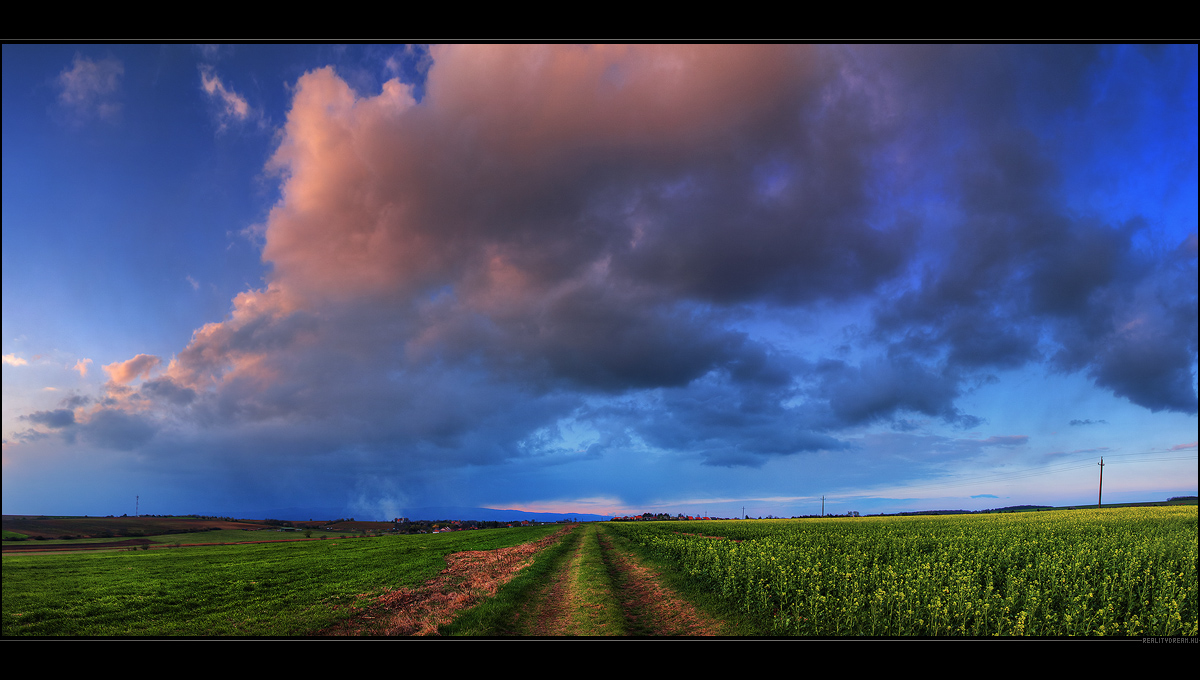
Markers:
1121,571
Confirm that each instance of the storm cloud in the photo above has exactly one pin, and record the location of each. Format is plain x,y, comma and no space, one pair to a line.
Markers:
589,219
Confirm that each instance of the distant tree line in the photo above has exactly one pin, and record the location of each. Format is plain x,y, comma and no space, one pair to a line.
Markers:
423,526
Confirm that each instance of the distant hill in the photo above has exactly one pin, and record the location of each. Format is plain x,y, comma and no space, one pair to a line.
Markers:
58,527
429,513
491,514
1020,508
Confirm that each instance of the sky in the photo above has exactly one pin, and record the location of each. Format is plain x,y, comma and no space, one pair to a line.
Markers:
614,279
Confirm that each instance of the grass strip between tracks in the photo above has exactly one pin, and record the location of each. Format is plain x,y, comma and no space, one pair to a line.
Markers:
591,603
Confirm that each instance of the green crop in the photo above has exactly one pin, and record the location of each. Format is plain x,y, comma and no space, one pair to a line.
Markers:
1084,572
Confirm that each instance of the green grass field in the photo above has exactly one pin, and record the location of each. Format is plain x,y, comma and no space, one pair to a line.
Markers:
293,588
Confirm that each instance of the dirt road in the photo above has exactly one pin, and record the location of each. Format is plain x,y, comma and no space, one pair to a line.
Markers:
596,590
604,591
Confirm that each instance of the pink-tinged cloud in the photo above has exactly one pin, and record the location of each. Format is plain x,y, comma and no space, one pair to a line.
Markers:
588,506
262,323
82,367
385,196
125,372
14,360
232,106
1183,447
88,87
482,188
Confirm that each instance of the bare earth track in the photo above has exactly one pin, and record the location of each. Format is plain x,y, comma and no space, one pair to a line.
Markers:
573,601
646,606
468,578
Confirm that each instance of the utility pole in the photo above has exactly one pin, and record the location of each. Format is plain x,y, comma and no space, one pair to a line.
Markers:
136,500
1100,494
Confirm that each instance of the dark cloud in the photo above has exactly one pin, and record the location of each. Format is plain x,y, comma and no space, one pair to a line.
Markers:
120,430
905,425
56,419
166,390
1151,368
76,400
723,423
598,340
789,235
1020,270
880,389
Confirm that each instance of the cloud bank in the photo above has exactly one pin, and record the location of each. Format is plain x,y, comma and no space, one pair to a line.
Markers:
596,237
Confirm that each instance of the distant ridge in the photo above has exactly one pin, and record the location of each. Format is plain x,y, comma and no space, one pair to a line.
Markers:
447,512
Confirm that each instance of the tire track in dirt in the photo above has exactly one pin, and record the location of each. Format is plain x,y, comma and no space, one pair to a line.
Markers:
651,608
552,616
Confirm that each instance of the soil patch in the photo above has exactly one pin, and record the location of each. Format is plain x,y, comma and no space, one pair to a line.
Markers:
37,546
468,578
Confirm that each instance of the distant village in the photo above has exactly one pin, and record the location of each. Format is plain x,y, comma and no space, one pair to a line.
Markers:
660,517
664,517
